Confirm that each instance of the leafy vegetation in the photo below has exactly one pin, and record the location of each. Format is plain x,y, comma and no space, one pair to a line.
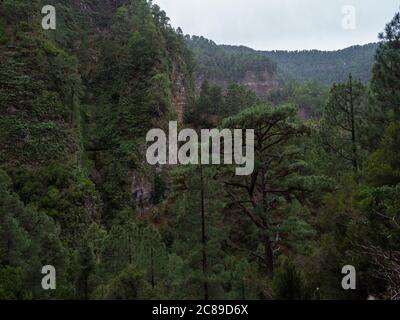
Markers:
227,63
326,67
224,64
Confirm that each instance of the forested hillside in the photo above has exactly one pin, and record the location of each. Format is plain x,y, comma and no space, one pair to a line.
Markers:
77,193
223,63
326,66
76,104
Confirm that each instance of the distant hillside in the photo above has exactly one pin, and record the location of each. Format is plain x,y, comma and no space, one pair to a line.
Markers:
326,66
222,65
260,70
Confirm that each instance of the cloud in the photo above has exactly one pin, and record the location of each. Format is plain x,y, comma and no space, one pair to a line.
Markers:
280,24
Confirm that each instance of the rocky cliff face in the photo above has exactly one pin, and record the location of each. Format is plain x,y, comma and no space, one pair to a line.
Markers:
180,94
222,65
260,84
141,190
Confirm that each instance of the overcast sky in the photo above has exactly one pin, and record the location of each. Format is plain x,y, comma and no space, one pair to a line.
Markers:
281,24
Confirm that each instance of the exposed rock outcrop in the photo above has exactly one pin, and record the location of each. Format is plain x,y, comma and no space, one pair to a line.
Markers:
261,85
141,190
180,98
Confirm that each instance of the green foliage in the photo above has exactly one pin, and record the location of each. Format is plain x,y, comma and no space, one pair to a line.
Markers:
344,121
309,96
386,80
276,181
202,255
222,63
12,283
237,99
160,189
213,104
228,63
39,95
383,166
261,115
152,255
29,240
128,285
326,67
288,282
2,31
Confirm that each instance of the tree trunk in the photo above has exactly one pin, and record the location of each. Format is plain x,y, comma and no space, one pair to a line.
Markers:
129,248
86,288
268,254
353,127
152,268
203,236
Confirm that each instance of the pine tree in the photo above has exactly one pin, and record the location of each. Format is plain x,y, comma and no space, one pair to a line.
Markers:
199,231
207,107
343,120
152,255
121,244
237,99
276,166
288,282
385,82
28,241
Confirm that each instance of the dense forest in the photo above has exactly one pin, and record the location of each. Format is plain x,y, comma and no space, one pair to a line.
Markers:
77,193
227,64
224,63
326,66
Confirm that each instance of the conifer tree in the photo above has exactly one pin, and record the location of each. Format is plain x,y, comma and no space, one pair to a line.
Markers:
275,178
385,82
342,123
199,230
152,255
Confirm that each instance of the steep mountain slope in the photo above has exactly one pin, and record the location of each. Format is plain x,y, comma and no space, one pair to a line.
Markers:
75,105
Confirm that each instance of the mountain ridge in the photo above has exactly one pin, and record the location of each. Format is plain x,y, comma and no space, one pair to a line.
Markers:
302,65
358,58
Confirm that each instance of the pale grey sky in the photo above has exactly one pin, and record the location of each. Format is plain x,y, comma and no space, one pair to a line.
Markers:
281,24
